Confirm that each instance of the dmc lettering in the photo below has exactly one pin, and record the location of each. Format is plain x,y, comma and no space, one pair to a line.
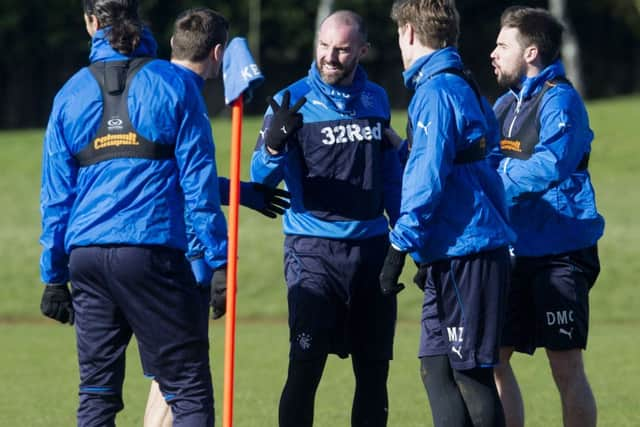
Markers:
563,317
353,132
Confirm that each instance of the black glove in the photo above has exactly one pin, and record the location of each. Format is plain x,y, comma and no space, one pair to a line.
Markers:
56,303
420,279
219,292
284,123
264,199
391,270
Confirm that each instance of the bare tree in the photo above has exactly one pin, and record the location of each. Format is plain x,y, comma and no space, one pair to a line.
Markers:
570,46
324,9
254,28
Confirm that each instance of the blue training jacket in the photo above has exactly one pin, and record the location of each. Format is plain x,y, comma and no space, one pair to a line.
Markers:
341,170
551,200
129,201
448,209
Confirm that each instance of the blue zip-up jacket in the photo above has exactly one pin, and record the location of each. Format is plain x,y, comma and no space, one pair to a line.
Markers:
448,209
341,170
551,202
129,201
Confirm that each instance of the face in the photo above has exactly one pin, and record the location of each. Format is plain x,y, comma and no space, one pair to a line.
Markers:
213,69
404,35
91,24
338,52
508,58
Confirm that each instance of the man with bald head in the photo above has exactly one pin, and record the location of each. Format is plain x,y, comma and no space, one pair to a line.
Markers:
325,136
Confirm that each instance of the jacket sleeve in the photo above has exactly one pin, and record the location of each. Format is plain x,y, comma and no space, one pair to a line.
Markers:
430,162
494,154
57,196
392,173
564,139
195,156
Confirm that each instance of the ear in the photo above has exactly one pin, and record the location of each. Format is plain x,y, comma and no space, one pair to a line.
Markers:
91,23
364,49
171,42
531,54
217,53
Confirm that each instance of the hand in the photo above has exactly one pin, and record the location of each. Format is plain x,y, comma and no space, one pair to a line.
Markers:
391,270
393,137
420,279
219,292
284,123
56,303
264,199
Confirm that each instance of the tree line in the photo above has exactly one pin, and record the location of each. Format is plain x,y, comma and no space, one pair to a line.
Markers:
44,42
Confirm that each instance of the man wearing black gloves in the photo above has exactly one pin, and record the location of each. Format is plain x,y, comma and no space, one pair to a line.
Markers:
453,220
342,174
193,43
123,174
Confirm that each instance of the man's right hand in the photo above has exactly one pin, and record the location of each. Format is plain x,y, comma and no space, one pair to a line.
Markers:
284,123
56,303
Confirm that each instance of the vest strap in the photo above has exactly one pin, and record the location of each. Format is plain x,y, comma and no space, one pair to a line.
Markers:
116,136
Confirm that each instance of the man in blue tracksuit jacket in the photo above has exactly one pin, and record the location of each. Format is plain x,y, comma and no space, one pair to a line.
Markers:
197,35
543,160
342,174
128,154
453,220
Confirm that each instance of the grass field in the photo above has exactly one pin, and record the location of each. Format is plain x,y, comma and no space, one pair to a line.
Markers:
38,366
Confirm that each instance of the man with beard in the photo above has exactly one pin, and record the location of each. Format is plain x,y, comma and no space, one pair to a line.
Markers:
343,174
453,220
546,141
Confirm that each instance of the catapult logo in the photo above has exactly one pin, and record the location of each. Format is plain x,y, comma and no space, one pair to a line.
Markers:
115,140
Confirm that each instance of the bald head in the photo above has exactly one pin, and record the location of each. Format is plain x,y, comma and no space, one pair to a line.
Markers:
346,18
342,41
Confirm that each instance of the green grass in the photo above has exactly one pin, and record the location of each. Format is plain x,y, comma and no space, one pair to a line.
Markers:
38,364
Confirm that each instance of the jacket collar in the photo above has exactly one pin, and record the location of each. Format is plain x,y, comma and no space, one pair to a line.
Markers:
188,74
426,66
341,98
101,50
532,85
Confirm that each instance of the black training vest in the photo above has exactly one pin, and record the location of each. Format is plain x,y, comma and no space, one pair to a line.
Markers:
116,136
477,150
521,143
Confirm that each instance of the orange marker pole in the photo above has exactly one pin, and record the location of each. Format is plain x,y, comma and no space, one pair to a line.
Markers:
232,262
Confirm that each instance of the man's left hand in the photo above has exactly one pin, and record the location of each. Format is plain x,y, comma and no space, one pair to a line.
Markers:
391,269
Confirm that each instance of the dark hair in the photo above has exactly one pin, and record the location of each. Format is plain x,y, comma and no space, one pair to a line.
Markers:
435,22
197,31
536,27
351,18
121,16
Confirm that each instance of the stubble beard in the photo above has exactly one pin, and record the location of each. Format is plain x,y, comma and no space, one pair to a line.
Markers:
336,78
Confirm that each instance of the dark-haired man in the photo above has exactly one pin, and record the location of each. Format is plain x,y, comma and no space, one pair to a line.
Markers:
453,219
546,141
197,44
121,171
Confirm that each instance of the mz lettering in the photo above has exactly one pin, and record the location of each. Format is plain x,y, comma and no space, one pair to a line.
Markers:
353,132
455,333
